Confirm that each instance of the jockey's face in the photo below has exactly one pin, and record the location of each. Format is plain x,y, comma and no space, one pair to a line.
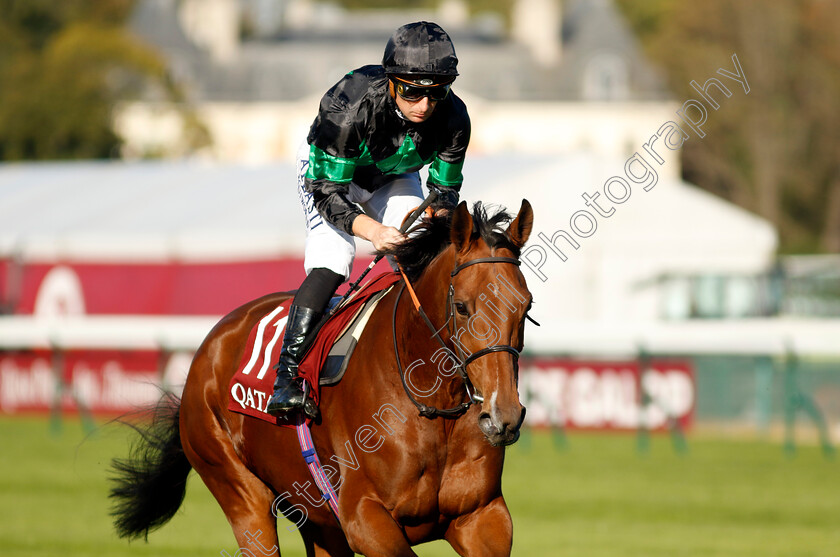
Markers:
416,111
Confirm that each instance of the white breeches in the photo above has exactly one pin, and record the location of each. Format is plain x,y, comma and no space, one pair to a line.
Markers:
334,249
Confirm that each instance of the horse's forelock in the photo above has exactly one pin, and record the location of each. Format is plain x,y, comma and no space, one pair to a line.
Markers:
492,227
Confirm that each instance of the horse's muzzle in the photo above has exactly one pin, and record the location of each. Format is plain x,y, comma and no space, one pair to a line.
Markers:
500,433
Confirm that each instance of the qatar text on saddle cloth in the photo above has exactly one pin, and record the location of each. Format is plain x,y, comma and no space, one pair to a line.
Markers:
252,384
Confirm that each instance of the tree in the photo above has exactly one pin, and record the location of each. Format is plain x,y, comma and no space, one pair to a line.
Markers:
63,66
776,151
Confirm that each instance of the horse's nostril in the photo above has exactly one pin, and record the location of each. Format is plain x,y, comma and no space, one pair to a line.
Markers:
485,422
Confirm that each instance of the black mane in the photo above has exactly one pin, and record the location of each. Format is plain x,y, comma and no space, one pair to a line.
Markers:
432,236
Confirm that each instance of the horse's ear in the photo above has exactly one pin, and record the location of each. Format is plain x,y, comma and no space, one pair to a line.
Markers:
520,228
462,228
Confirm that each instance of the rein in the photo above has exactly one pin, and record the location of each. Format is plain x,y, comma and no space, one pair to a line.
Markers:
462,362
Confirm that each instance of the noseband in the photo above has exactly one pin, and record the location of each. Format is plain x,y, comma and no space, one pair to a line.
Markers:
462,362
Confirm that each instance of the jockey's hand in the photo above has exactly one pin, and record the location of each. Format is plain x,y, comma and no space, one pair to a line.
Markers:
386,237
381,236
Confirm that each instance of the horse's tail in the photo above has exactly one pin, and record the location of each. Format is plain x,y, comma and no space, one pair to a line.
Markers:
150,484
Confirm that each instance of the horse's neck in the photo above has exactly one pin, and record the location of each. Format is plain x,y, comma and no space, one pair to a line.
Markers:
432,289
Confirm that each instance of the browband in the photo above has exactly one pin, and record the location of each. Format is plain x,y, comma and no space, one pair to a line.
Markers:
510,260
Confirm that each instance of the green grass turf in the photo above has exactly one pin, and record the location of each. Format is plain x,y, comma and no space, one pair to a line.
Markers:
596,497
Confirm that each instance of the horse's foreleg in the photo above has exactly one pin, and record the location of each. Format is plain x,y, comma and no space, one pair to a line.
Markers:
486,532
371,531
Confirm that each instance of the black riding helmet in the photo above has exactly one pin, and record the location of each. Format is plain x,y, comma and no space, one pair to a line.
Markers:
421,50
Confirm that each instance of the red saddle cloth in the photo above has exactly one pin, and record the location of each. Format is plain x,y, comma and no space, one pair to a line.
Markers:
252,384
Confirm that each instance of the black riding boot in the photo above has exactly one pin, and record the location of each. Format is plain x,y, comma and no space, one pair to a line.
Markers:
288,389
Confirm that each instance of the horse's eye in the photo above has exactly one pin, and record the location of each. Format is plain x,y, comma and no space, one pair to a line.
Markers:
461,308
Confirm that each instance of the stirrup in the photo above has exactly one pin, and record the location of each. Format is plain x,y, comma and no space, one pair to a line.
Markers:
309,406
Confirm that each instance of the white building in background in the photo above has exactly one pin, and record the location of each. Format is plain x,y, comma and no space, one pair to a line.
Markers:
569,78
55,216
625,267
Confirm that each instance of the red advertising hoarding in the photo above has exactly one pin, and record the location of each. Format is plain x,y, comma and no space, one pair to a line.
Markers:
557,392
607,395
101,381
166,288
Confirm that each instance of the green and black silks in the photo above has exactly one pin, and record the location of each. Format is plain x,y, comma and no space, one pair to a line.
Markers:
360,136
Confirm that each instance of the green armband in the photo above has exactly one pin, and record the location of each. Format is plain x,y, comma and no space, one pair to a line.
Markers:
322,165
446,174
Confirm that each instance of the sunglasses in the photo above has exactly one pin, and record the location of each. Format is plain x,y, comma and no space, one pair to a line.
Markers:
413,93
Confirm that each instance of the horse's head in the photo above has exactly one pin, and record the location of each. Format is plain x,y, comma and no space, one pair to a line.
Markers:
489,300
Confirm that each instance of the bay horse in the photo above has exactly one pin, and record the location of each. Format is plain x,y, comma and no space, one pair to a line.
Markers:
402,478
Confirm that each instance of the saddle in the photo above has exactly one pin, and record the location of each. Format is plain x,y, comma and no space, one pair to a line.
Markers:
324,363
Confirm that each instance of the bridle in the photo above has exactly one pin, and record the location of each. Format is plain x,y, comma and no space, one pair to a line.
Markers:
461,361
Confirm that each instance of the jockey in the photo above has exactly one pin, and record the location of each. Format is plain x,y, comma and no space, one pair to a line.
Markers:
358,171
